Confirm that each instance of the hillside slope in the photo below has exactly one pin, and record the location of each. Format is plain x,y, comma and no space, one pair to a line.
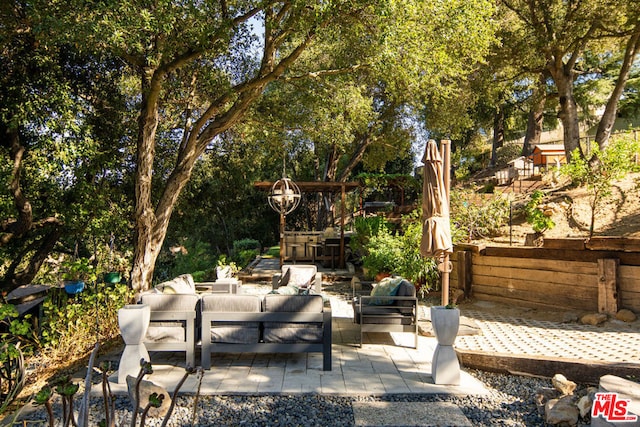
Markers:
619,214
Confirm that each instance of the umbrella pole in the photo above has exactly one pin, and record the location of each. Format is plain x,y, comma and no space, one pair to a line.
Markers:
445,152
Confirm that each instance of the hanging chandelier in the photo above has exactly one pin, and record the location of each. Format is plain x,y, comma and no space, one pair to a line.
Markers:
284,197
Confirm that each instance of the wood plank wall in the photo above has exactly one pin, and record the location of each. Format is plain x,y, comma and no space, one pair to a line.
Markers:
561,276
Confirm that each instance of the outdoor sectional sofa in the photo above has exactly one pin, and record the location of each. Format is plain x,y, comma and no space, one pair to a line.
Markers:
182,320
265,324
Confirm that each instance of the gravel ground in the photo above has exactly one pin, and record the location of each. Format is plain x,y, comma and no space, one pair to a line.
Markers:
510,403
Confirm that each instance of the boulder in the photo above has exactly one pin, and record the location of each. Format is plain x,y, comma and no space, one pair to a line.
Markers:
593,319
146,389
561,411
584,405
626,315
563,385
543,395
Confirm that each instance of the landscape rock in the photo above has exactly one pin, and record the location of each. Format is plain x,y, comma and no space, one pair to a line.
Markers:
593,319
584,405
146,389
562,412
543,395
563,385
626,315
569,317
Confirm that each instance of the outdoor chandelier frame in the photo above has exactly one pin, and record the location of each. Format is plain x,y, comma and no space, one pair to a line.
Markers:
285,196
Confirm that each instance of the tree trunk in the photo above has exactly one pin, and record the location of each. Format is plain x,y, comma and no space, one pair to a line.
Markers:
146,247
611,110
536,117
498,135
563,77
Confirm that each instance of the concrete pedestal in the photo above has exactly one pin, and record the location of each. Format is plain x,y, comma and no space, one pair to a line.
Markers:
445,368
133,321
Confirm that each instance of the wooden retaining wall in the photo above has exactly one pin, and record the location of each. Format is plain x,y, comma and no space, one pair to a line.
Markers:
601,274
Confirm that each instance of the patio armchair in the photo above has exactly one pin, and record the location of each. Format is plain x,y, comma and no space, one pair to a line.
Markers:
303,276
392,307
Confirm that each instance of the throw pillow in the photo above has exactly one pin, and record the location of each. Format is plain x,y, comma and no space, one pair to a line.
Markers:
387,287
284,280
301,277
286,290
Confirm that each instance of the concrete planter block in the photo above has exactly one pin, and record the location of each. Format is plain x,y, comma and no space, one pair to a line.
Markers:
133,320
445,367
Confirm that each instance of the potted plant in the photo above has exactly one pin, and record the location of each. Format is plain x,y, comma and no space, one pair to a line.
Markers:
116,268
383,255
76,273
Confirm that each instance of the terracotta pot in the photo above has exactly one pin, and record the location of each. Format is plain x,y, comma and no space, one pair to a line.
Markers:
381,276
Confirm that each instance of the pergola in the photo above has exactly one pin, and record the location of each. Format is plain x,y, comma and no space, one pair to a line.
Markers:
323,187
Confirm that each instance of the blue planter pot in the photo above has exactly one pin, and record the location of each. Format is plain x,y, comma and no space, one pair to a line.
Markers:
74,287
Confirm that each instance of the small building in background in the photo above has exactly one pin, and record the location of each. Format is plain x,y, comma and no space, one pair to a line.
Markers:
548,155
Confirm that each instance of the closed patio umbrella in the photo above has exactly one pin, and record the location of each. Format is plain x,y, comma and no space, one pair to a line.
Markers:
436,230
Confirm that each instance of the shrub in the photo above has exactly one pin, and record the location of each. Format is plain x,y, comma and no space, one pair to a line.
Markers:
71,326
535,216
246,244
474,217
605,166
383,254
399,253
365,228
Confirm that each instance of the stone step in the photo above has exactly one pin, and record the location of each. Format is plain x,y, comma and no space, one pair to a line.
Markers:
427,414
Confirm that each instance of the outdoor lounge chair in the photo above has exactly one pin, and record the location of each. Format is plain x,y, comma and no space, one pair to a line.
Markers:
304,276
397,312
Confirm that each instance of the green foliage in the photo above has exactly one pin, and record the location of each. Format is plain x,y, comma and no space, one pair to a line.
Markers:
474,216
79,269
365,228
16,335
535,216
506,153
197,258
245,251
14,330
246,244
71,326
383,253
412,265
399,253
604,167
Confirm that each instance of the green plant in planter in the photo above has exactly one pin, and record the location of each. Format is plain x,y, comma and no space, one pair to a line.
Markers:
78,270
383,254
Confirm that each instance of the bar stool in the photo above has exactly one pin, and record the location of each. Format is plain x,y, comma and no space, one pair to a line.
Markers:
294,248
332,249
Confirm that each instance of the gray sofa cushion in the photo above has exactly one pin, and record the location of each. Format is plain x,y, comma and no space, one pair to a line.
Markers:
170,302
279,332
233,332
165,330
390,315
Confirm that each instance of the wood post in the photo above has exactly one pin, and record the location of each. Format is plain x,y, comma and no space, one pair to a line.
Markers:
608,285
465,272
